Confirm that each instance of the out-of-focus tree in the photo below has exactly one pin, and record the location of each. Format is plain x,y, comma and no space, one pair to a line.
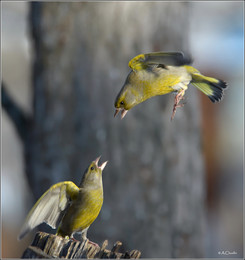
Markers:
153,184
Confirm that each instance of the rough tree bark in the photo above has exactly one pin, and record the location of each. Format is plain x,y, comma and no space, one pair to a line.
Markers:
154,180
51,246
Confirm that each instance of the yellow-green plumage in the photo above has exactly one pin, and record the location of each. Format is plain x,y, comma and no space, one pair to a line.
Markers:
162,73
82,213
71,208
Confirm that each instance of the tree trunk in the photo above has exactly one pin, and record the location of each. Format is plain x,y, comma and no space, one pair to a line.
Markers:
154,180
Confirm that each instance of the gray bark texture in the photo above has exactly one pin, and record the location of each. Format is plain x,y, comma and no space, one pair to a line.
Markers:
154,182
51,246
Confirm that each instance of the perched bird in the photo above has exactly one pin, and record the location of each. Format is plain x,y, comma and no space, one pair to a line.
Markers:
73,207
160,73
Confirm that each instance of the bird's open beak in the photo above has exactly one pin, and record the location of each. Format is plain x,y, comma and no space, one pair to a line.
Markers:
123,112
102,166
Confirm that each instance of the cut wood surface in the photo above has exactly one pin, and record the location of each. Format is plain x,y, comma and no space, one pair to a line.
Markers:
47,245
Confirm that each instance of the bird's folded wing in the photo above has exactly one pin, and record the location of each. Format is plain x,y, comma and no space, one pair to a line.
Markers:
50,206
143,61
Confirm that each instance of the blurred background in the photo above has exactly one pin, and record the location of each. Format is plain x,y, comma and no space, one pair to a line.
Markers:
178,186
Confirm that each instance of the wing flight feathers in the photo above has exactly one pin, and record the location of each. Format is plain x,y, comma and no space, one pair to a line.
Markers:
142,61
50,206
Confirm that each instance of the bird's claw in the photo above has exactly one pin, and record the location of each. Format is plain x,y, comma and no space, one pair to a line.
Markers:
92,243
177,99
75,240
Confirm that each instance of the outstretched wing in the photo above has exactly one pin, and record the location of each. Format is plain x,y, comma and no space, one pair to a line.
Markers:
143,61
50,206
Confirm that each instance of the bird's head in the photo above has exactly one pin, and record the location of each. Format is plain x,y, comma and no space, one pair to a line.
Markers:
127,97
93,175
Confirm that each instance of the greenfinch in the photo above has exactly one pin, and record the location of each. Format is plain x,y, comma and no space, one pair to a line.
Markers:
73,207
160,73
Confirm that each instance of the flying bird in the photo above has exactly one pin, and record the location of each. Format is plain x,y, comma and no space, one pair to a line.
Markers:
160,73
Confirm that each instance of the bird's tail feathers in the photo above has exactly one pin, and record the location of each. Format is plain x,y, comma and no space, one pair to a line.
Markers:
212,87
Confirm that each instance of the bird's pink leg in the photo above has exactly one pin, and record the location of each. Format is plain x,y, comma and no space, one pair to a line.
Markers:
89,242
177,99
75,240
93,243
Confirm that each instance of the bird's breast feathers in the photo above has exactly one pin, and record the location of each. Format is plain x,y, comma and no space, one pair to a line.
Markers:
87,208
160,81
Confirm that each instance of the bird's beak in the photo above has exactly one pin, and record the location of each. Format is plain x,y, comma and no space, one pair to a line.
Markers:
102,166
123,112
97,160
117,111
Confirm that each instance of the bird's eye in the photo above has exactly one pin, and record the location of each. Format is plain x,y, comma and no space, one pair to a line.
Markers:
122,103
92,168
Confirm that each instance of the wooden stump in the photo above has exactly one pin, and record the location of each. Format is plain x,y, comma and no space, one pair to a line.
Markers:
51,246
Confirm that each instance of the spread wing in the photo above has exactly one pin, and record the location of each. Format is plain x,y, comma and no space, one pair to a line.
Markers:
143,61
50,206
